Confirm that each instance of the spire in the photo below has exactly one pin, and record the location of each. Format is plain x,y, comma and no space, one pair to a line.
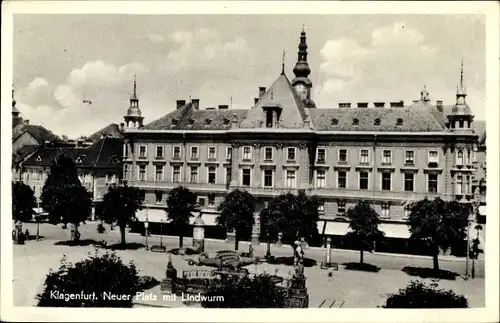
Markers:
301,68
134,95
461,92
283,62
462,74
424,95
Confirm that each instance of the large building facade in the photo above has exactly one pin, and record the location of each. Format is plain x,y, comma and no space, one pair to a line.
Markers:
388,153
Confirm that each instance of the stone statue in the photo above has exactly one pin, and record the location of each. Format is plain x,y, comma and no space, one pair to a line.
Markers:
298,261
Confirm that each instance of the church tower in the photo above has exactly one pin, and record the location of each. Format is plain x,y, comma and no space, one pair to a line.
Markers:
461,117
134,118
301,82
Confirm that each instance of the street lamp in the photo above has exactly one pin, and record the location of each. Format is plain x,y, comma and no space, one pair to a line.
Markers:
146,224
38,221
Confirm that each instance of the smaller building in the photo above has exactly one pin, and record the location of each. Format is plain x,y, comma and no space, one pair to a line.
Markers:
98,165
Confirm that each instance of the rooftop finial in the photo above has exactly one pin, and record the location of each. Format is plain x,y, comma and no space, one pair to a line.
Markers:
462,74
135,86
283,62
303,28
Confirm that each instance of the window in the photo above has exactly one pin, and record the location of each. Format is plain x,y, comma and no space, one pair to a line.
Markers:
469,158
377,122
125,171
142,172
246,177
268,178
291,179
407,210
229,152
432,183
335,122
193,174
159,151
320,178
142,151
467,184
269,118
399,122
341,179
321,156
176,174
228,175
363,180
290,153
342,155
158,195
458,184
194,152
355,122
125,150
386,181
177,152
410,157
159,173
386,157
201,201
212,152
110,178
433,158
341,206
247,153
268,153
409,182
386,210
364,156
211,199
321,207
460,157
212,171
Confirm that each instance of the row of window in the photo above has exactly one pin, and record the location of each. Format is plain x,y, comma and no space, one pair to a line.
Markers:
201,200
194,171
385,211
462,157
385,180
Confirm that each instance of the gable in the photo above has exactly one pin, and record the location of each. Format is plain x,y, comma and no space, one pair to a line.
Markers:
282,95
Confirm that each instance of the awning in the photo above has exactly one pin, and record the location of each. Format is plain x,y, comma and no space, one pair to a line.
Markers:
482,210
395,230
336,228
208,219
158,215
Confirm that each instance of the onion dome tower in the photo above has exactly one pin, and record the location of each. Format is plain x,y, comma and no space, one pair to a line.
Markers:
301,83
461,115
134,118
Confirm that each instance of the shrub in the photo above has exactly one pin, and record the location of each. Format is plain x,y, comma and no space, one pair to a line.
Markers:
90,283
419,295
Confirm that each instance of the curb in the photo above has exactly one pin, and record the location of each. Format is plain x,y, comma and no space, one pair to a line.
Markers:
386,254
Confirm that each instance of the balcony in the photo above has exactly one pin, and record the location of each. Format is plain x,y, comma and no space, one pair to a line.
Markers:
268,191
203,187
176,157
370,195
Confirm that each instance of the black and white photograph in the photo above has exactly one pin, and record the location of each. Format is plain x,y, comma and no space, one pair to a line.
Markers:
166,158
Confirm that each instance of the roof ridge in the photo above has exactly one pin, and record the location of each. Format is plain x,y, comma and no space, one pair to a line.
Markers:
428,107
100,150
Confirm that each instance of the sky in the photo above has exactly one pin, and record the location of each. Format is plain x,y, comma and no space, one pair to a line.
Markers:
61,60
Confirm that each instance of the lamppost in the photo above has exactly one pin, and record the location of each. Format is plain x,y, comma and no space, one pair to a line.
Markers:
38,221
146,224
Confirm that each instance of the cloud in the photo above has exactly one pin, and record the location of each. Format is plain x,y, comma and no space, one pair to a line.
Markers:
193,50
156,38
378,69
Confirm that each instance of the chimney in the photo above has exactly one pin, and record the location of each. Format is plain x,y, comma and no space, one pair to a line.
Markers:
345,105
255,100
196,103
362,104
399,104
223,106
439,105
262,91
379,104
26,122
180,103
416,101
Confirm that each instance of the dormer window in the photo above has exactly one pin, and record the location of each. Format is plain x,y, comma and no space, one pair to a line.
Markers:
355,121
175,122
39,159
78,160
335,122
225,121
191,122
208,122
269,118
399,122
377,122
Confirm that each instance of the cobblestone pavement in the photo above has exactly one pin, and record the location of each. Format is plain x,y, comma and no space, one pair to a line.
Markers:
33,260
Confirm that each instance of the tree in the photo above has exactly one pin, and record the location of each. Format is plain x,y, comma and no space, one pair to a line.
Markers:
296,215
270,229
181,202
244,292
237,213
23,202
88,283
439,223
120,205
64,197
364,221
419,295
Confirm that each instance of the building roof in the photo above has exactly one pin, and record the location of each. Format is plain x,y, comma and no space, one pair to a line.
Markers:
40,133
479,127
281,94
105,153
404,119
23,153
111,130
189,118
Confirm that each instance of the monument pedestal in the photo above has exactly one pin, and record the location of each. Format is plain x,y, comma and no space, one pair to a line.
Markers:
297,293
